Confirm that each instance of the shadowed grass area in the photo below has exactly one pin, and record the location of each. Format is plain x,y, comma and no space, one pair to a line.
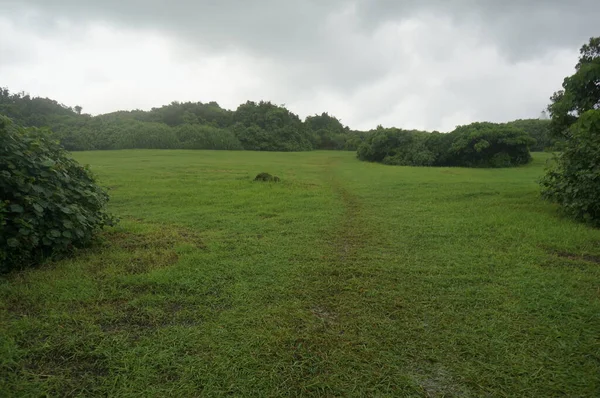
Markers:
344,279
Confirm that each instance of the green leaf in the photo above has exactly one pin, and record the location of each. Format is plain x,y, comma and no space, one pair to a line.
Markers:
48,163
38,208
17,208
55,233
67,234
12,242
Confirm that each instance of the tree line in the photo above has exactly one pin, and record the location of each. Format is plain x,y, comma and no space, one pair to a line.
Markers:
259,126
474,145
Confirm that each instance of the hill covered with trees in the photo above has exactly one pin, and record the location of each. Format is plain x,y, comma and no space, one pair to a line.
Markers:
259,126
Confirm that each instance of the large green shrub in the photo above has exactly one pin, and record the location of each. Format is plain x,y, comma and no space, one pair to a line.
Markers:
489,145
49,203
474,145
573,179
264,126
327,132
198,136
538,129
397,147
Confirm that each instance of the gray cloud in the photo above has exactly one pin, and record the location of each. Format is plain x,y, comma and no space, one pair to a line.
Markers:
521,28
426,64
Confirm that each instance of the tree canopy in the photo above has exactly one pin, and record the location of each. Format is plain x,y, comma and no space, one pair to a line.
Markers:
580,92
261,126
538,129
264,126
573,179
473,145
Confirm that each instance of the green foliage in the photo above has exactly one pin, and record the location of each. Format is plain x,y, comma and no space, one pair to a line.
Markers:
397,147
354,139
259,126
268,127
573,179
117,132
474,145
489,145
33,111
581,91
198,136
539,130
178,113
327,132
49,202
146,136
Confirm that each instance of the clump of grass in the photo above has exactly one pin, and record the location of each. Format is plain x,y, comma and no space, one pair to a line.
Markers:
266,177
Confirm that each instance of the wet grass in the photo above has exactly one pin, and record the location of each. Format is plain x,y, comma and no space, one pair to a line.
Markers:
343,279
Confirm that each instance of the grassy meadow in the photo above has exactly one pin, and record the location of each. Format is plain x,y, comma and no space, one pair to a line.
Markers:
345,279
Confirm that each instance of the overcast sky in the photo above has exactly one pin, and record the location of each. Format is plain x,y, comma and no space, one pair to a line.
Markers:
411,64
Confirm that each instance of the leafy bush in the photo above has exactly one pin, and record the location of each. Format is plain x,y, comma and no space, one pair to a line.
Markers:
489,145
354,140
49,203
268,127
573,179
198,136
397,147
327,132
475,145
142,135
538,129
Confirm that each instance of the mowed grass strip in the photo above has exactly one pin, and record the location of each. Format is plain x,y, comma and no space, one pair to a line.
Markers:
345,279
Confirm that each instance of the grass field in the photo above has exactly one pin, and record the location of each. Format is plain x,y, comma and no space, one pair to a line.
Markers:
345,279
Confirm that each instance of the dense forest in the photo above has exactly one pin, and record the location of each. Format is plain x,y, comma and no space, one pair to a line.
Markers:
264,126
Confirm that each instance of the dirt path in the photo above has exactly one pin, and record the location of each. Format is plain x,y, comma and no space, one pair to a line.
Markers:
334,295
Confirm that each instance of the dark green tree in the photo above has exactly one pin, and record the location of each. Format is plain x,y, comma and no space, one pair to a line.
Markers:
264,126
573,178
397,147
580,92
327,132
489,145
538,129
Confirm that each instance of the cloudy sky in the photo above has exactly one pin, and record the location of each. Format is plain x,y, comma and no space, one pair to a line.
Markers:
412,64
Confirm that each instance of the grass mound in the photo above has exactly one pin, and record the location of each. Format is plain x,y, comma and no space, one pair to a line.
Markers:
266,177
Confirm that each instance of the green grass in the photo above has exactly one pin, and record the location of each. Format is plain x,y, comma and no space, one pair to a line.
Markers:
345,279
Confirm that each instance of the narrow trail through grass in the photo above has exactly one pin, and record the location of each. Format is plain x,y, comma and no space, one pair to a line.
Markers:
349,348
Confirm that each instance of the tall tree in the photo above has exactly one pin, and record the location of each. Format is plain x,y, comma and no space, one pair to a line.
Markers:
581,91
573,181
